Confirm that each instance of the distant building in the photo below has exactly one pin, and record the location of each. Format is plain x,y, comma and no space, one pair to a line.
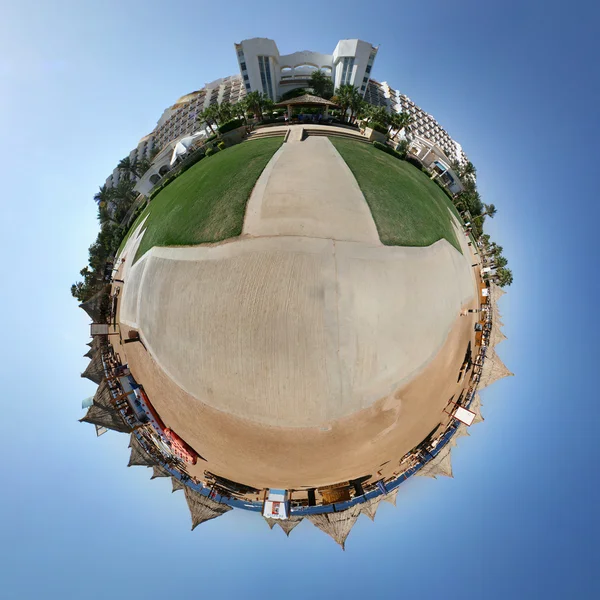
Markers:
264,70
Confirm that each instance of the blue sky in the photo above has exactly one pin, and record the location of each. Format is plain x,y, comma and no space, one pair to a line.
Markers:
516,83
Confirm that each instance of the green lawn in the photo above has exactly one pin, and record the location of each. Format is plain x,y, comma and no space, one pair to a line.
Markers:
408,208
207,203
132,229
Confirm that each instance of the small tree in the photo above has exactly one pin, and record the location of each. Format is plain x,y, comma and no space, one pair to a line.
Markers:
321,84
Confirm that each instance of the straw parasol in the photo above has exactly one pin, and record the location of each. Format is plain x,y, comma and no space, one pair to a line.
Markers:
475,407
288,524
338,525
391,497
493,369
97,305
370,507
177,485
461,430
159,471
270,522
307,100
440,464
139,457
95,369
203,509
109,418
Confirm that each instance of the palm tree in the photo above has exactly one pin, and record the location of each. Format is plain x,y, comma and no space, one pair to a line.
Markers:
321,84
223,112
206,116
239,110
468,170
500,262
504,277
143,165
255,103
356,104
103,195
399,121
345,94
129,167
377,114
490,211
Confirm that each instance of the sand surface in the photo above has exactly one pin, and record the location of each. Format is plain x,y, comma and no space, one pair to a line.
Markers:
295,359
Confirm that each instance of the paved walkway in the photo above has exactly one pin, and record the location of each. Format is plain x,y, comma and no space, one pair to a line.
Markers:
293,331
307,318
308,190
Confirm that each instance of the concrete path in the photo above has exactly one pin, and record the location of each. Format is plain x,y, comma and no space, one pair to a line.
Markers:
308,190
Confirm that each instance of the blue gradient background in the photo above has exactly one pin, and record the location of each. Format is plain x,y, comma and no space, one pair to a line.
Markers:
517,84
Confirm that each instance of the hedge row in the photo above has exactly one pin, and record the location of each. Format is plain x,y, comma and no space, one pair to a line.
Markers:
387,149
378,127
231,125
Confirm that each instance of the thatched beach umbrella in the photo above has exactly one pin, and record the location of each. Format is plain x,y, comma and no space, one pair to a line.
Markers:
391,497
370,507
203,509
338,525
95,369
139,457
177,485
159,471
97,306
288,524
440,464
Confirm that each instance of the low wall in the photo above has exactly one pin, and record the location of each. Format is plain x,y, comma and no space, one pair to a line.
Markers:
375,136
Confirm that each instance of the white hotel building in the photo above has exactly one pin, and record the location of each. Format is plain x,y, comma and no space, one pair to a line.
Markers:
264,69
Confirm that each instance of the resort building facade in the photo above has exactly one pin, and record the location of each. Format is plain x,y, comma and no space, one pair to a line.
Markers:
264,70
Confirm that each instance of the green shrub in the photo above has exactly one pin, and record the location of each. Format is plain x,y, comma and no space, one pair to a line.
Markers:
413,160
209,151
387,149
221,145
230,125
402,148
378,127
210,138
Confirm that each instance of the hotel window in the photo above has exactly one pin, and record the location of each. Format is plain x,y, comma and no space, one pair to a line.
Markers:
347,66
265,75
368,69
246,78
243,65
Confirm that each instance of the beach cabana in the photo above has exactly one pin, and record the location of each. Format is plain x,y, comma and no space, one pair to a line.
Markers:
306,101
